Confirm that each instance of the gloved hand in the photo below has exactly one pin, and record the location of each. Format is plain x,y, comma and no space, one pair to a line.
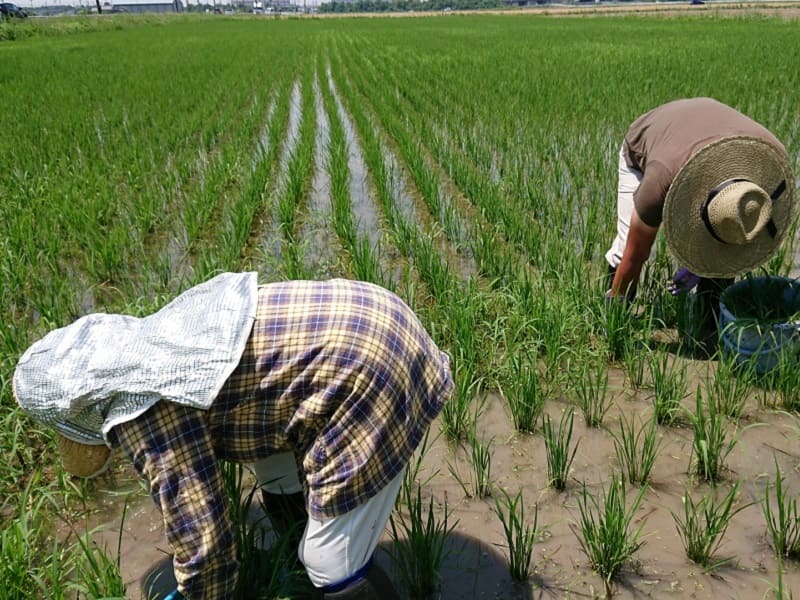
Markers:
683,281
174,595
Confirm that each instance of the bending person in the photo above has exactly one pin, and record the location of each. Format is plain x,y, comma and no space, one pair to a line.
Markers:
720,184
341,374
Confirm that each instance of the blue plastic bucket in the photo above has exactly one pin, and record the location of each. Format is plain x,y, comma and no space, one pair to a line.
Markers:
759,321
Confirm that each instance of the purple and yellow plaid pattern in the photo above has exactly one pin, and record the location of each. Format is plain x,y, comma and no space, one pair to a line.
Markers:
341,372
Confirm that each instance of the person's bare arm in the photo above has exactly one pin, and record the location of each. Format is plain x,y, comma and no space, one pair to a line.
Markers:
637,250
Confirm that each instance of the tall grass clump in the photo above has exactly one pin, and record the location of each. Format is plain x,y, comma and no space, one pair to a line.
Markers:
520,536
787,381
636,449
604,531
557,446
419,539
97,575
703,524
783,521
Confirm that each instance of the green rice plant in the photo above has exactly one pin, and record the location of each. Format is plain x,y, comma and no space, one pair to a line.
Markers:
557,448
464,307
23,544
617,321
728,388
96,574
480,459
787,381
711,445
457,416
525,394
415,466
272,572
552,327
703,525
669,387
783,522
635,358
589,382
419,540
778,591
520,536
604,531
636,449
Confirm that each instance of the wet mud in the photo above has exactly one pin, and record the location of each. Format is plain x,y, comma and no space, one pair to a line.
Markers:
475,563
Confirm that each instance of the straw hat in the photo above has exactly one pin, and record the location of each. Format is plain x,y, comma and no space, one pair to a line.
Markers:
729,207
81,459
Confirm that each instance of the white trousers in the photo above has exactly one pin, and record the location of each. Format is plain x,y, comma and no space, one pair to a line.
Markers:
628,183
332,549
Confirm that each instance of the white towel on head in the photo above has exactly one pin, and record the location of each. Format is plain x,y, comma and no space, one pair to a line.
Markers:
104,369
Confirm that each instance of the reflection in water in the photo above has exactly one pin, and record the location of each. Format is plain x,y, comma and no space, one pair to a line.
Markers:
262,148
367,222
272,241
315,228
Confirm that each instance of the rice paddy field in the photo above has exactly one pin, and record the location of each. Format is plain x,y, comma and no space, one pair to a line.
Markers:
468,163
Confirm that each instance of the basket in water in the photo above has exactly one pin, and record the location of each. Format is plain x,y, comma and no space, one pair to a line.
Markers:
759,321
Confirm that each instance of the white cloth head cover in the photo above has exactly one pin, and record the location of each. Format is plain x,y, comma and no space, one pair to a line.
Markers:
104,369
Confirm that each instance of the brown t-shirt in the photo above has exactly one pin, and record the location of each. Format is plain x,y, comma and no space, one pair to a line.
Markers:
659,142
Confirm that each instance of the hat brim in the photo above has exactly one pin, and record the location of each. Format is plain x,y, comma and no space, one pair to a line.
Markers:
743,157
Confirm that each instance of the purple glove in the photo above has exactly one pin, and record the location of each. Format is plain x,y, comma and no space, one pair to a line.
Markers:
683,281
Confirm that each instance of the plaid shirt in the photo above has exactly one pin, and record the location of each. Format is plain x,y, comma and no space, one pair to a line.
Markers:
340,372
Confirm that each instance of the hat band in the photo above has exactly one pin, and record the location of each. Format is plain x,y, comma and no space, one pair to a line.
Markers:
772,229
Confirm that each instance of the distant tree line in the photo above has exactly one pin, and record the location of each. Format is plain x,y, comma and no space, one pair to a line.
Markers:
407,5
